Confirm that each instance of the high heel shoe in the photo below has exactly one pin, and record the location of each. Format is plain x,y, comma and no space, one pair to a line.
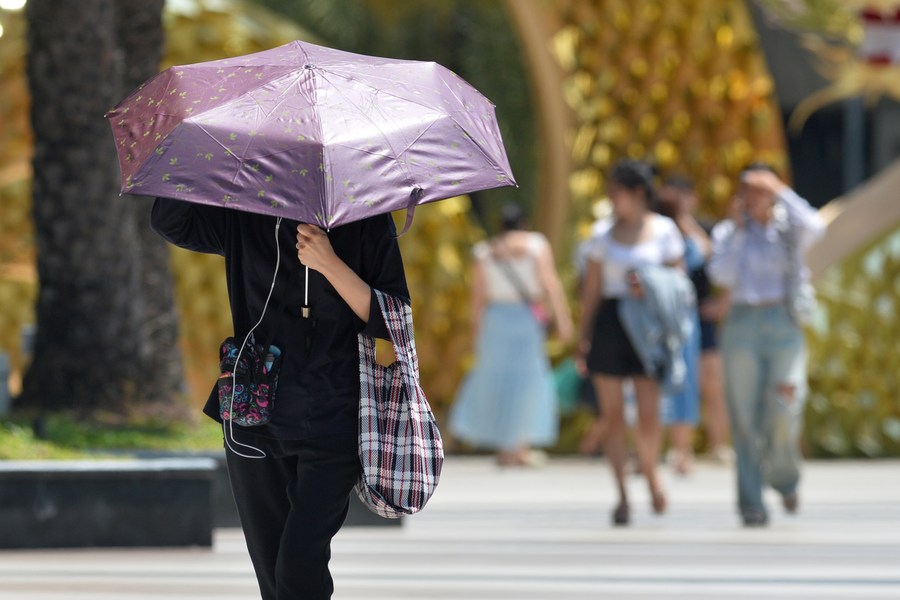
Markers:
621,515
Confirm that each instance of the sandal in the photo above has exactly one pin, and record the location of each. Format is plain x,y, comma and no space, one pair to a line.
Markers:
681,462
621,515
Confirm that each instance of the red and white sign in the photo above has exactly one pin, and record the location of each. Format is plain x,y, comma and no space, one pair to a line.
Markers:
881,44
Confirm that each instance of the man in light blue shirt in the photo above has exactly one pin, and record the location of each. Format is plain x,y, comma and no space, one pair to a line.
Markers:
758,256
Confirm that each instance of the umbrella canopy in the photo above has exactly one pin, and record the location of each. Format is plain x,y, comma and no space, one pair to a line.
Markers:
309,133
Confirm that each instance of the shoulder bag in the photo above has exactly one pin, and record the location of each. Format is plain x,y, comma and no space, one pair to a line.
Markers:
538,310
400,445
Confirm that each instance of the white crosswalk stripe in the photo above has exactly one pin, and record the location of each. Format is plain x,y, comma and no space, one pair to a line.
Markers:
544,534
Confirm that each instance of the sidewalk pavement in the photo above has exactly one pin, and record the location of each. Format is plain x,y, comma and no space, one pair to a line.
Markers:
544,534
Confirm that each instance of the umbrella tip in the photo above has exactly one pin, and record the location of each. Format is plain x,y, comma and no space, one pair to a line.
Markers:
309,66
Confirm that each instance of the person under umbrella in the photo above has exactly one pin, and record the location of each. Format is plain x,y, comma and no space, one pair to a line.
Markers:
302,151
293,498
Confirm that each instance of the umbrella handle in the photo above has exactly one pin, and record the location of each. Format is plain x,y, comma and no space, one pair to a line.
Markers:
304,310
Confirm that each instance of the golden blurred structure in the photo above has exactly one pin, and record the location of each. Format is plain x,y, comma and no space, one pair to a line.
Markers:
679,82
684,84
854,406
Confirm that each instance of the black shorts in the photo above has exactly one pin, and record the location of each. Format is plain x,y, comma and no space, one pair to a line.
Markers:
611,351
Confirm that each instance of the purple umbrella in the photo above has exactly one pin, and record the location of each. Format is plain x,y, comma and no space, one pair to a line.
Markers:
309,133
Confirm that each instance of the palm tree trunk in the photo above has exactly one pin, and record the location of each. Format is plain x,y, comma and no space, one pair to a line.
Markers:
88,332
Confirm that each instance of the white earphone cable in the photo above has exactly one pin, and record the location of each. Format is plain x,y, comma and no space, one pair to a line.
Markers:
229,429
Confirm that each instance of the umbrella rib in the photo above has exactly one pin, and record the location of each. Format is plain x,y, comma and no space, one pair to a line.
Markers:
474,142
449,89
373,123
297,77
324,195
228,151
363,150
421,133
423,105
412,100
168,113
268,154
212,137
388,92
478,146
462,103
471,139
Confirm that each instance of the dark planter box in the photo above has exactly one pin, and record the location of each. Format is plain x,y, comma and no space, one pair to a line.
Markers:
55,504
225,512
157,499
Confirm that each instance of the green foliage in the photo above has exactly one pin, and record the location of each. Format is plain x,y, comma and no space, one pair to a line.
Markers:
65,437
18,443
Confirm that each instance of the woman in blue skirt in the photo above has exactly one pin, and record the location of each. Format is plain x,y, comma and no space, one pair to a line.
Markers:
507,402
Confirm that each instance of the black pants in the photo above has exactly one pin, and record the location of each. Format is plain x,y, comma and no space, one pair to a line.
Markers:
291,504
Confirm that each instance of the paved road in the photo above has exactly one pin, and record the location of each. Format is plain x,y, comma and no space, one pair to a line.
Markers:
544,535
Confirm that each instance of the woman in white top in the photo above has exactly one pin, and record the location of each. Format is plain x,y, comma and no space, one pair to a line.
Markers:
507,403
633,237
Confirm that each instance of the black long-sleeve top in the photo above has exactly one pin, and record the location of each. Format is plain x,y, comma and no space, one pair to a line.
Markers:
318,387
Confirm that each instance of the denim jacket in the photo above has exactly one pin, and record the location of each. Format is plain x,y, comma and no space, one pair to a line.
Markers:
659,324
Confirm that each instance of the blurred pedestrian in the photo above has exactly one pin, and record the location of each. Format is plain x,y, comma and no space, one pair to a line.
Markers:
507,402
713,307
678,200
758,255
681,410
633,238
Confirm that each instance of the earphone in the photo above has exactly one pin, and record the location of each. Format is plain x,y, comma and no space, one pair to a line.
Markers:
229,429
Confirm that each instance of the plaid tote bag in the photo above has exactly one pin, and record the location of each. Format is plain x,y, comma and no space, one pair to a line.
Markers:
399,443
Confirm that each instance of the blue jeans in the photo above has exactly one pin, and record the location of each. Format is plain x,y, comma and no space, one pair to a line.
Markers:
764,357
